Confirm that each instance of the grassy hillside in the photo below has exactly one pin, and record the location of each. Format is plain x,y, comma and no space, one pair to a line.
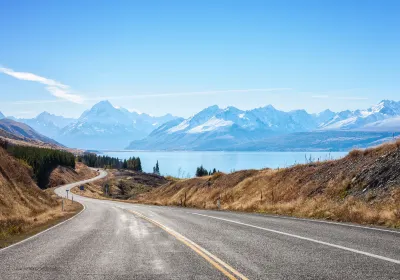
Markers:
25,208
123,185
42,160
363,187
64,175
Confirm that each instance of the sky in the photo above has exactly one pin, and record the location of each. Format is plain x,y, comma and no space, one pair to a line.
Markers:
179,57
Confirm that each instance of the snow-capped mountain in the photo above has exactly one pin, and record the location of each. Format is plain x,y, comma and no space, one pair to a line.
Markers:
1,116
48,124
383,116
216,128
107,127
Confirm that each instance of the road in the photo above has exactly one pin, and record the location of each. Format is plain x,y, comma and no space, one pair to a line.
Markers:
114,240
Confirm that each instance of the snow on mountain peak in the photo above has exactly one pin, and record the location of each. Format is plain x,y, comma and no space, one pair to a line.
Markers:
210,125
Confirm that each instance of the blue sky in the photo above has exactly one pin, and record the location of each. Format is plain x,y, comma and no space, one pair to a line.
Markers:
181,56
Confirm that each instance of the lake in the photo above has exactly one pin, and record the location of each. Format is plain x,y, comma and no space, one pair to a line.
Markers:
184,164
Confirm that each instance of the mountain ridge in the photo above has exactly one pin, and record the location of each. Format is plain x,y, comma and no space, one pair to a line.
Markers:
215,128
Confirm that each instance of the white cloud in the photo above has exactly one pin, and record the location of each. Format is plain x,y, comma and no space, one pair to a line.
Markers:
57,89
320,96
352,98
152,95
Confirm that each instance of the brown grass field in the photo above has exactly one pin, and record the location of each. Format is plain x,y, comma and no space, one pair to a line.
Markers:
363,187
25,209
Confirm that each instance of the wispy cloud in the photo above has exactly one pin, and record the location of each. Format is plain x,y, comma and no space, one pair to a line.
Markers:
352,98
339,97
57,89
193,93
320,96
147,95
345,94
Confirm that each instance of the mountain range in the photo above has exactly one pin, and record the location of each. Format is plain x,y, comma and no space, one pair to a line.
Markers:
105,127
102,127
215,128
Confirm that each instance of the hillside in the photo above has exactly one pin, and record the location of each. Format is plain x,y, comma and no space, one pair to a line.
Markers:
363,187
20,131
123,184
65,175
24,208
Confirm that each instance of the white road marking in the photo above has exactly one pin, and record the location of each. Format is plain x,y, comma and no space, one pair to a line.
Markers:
39,233
305,238
333,223
325,222
67,186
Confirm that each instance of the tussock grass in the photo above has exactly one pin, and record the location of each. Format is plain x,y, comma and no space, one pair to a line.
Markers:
24,207
363,187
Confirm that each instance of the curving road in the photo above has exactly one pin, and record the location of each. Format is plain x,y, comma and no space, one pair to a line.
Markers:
115,240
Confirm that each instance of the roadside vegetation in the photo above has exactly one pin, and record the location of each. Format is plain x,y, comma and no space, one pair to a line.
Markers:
26,209
363,187
42,161
201,171
122,184
98,161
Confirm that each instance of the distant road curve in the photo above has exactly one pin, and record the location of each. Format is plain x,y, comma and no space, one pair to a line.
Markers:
116,240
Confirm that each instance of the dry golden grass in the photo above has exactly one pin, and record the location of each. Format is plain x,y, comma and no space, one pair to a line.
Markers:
363,187
24,207
65,175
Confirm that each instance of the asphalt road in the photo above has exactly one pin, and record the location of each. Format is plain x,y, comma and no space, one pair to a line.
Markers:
114,240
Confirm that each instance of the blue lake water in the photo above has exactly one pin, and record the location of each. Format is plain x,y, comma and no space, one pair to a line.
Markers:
184,164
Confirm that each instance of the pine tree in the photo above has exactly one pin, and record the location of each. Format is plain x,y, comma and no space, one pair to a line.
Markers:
138,165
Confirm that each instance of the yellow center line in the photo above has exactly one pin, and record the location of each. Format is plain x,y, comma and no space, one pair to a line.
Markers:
226,269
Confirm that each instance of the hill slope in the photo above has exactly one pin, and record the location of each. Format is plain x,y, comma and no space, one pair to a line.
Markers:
20,197
25,208
22,131
363,187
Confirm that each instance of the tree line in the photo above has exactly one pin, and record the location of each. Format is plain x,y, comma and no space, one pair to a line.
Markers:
201,171
42,160
133,164
98,161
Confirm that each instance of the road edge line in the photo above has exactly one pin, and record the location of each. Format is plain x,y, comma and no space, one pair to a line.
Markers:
41,232
56,225
306,238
